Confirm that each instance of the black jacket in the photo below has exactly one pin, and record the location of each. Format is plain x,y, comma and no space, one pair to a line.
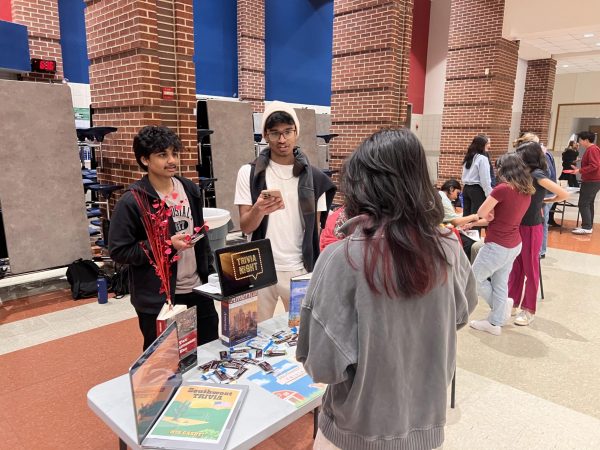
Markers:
569,156
312,183
127,231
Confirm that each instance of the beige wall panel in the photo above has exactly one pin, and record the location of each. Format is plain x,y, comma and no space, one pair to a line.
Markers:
41,191
232,146
308,134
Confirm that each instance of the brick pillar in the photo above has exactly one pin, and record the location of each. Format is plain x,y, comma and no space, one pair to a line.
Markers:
251,52
371,49
537,101
480,78
41,19
136,49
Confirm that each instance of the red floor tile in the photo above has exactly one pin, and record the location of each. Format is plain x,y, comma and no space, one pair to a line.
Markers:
46,386
36,305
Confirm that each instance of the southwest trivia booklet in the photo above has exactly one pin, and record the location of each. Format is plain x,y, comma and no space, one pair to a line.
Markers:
175,414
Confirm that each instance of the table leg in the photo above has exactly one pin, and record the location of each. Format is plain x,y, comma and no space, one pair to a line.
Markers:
453,391
122,445
541,279
315,421
562,216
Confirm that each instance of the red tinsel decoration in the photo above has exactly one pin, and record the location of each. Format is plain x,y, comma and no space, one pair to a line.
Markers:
155,219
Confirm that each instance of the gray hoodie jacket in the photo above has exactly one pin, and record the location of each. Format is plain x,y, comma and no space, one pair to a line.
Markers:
387,361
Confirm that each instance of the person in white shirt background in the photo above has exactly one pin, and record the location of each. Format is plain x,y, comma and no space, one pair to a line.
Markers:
476,176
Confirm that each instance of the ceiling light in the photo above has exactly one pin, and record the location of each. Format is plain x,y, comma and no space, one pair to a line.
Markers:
598,44
565,65
588,35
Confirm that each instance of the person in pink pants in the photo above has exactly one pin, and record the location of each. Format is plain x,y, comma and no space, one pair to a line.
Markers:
527,265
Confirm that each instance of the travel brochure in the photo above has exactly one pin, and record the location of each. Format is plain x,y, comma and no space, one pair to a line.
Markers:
186,329
239,318
298,288
289,382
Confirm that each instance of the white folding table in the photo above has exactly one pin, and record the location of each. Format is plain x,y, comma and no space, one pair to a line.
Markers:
262,414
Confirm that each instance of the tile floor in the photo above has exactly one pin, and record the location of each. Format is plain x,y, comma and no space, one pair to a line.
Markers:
531,388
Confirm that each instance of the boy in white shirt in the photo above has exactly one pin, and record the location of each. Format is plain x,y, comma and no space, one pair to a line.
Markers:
292,222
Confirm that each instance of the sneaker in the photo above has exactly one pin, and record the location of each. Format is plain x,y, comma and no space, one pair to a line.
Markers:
508,310
542,256
553,224
484,325
513,313
524,318
581,231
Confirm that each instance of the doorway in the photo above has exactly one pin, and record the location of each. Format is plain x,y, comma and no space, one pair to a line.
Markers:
595,129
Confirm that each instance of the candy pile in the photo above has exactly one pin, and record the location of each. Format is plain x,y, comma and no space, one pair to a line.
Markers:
234,363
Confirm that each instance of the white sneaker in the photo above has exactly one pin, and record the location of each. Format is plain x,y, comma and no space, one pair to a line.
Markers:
484,325
524,318
513,313
581,231
508,310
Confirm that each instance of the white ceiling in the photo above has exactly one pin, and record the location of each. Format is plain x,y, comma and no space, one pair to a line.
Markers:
568,31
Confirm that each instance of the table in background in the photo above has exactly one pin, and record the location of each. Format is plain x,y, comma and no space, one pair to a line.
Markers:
262,415
570,202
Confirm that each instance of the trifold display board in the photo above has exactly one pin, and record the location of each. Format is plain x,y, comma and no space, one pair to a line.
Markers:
41,191
232,146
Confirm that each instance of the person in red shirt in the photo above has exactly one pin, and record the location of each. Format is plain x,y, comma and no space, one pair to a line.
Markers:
503,209
590,181
332,233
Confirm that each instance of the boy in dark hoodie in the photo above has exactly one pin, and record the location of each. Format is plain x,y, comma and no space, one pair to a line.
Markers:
157,151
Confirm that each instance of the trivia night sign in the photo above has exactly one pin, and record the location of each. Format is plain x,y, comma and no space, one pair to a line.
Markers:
247,264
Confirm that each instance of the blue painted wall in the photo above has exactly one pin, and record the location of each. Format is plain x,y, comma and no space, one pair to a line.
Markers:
215,47
14,47
298,51
73,40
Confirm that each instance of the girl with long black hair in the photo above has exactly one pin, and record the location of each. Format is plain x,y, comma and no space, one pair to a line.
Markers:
379,320
476,175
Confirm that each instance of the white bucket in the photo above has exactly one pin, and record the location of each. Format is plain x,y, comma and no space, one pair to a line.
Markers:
215,217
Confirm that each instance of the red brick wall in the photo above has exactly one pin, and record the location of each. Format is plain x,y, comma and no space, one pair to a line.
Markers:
475,101
41,19
136,49
537,101
251,52
371,43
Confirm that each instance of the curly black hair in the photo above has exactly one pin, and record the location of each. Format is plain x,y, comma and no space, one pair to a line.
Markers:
154,139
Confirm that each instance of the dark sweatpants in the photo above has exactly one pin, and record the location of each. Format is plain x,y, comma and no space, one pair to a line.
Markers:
587,195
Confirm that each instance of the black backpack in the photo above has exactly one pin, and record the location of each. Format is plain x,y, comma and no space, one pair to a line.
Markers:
119,282
82,275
